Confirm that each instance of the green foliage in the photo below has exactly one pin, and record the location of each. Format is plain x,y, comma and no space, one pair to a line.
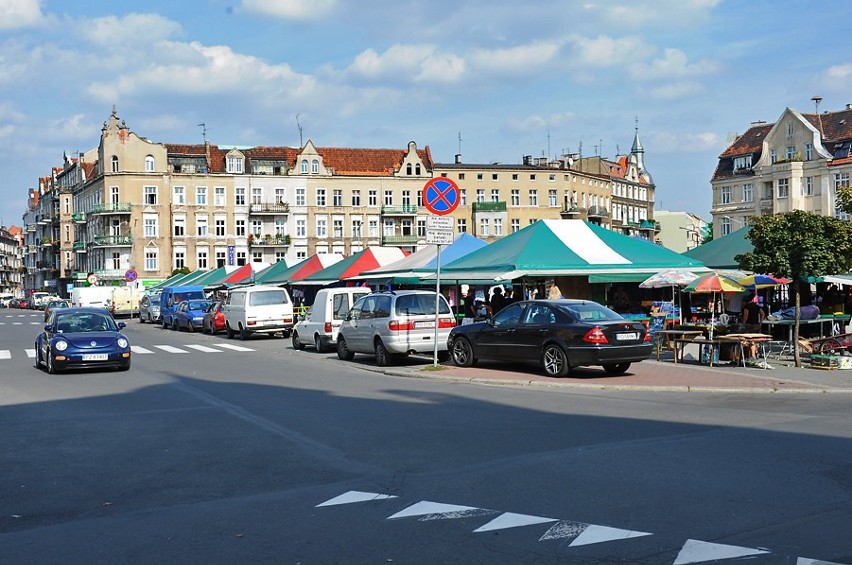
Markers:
799,244
844,199
707,236
181,271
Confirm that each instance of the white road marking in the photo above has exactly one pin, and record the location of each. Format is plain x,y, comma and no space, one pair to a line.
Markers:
234,347
438,511
565,529
355,496
694,551
5,354
203,348
600,534
139,349
808,561
511,520
17,323
31,353
170,349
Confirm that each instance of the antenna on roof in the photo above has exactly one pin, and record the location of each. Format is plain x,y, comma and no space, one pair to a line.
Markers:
817,100
203,127
298,125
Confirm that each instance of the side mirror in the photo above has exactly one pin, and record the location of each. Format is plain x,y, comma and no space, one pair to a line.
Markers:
121,325
48,328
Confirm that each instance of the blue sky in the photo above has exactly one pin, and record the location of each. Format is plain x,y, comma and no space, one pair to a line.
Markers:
510,78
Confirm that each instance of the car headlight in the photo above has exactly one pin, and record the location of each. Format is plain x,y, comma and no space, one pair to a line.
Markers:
122,342
61,345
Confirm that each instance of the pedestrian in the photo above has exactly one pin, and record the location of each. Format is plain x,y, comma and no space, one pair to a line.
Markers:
498,301
753,314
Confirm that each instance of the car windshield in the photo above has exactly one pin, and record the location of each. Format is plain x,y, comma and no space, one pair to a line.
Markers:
76,322
268,297
200,305
591,312
419,305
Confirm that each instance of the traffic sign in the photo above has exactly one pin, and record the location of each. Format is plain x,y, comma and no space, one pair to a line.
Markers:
442,223
441,196
92,279
130,275
439,237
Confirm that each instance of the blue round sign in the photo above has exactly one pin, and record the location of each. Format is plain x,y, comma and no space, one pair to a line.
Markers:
441,196
130,275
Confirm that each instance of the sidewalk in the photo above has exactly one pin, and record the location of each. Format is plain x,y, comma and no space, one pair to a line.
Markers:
651,375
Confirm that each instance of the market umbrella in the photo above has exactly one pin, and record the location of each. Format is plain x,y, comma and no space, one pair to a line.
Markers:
713,283
669,278
755,281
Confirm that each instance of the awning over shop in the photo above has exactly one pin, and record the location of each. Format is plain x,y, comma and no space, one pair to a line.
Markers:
720,253
371,257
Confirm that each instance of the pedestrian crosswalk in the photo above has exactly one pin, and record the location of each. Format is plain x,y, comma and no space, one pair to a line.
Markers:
6,354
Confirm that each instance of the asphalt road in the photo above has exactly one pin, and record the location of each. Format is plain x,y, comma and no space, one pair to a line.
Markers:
201,453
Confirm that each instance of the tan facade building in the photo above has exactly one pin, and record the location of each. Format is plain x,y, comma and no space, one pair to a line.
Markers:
796,163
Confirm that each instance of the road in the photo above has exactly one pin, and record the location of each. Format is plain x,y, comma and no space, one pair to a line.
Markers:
204,453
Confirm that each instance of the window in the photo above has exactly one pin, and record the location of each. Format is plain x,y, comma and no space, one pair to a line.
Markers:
356,197
748,192
257,228
219,196
462,197
406,198
67,233
783,188
552,178
516,197
388,198
337,228
789,129
314,167
409,169
483,228
149,222
114,162
461,176
494,176
220,258
301,196
150,195
280,256
219,226
809,151
240,227
478,176
301,227
516,225
240,196
179,226
180,257
790,153
152,262
241,258
389,228
235,164
725,226
532,177
515,176
256,195
337,198
725,195
498,226
113,194
304,166
495,195
480,195
462,225
533,197
201,226
552,199
149,164
320,197
257,256
322,227
809,186
421,228
372,228
356,228
773,157
372,197
280,228
202,258
280,198
767,191
201,195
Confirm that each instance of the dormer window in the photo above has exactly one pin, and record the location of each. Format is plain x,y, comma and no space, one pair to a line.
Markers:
234,164
304,166
417,169
408,169
149,164
114,161
314,167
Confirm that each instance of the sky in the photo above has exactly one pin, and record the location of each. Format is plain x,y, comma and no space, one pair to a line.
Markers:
492,80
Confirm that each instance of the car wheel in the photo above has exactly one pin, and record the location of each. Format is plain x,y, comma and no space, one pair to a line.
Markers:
141,319
175,326
554,361
229,331
462,352
443,356
616,368
38,356
190,328
343,352
243,333
297,343
318,344
51,369
165,325
383,358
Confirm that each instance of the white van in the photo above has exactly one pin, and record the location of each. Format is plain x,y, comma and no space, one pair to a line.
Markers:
94,296
125,301
323,320
258,309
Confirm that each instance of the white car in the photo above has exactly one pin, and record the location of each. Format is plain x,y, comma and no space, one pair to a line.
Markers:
323,320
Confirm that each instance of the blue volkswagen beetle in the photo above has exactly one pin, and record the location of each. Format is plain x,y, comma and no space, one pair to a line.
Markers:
82,338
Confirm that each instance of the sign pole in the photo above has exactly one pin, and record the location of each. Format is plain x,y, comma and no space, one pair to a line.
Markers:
437,303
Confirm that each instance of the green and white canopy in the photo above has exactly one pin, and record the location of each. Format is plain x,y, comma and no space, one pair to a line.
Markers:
550,248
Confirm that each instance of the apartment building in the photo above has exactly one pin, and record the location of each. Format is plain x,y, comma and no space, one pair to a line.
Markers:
796,163
11,266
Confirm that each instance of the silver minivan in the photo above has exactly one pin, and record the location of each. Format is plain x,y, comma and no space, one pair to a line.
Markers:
391,325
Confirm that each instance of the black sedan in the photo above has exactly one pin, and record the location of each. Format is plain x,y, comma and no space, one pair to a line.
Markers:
556,334
82,338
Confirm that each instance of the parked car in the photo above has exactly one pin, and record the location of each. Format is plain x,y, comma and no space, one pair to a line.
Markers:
258,309
323,320
391,325
189,314
82,338
214,319
53,305
556,334
149,308
171,296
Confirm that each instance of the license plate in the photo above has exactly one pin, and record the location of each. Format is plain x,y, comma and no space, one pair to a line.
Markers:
424,324
95,357
626,336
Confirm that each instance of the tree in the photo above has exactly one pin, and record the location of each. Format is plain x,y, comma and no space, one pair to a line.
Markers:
181,271
707,236
844,199
798,244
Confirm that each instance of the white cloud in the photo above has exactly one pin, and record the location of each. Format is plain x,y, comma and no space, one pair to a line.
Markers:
841,72
290,9
71,127
21,13
537,123
673,63
395,60
128,32
515,59
604,51
643,13
676,90
689,142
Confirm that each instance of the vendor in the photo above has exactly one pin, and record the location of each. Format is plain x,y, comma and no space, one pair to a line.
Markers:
620,300
753,314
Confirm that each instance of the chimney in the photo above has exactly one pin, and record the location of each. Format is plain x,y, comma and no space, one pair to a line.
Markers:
458,159
528,160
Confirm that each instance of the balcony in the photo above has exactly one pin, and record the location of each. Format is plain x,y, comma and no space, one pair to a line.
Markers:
270,208
489,207
649,225
112,208
597,212
406,210
269,240
113,241
400,239
31,227
79,246
79,217
47,242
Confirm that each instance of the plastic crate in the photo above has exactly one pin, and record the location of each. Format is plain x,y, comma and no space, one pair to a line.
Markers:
831,362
